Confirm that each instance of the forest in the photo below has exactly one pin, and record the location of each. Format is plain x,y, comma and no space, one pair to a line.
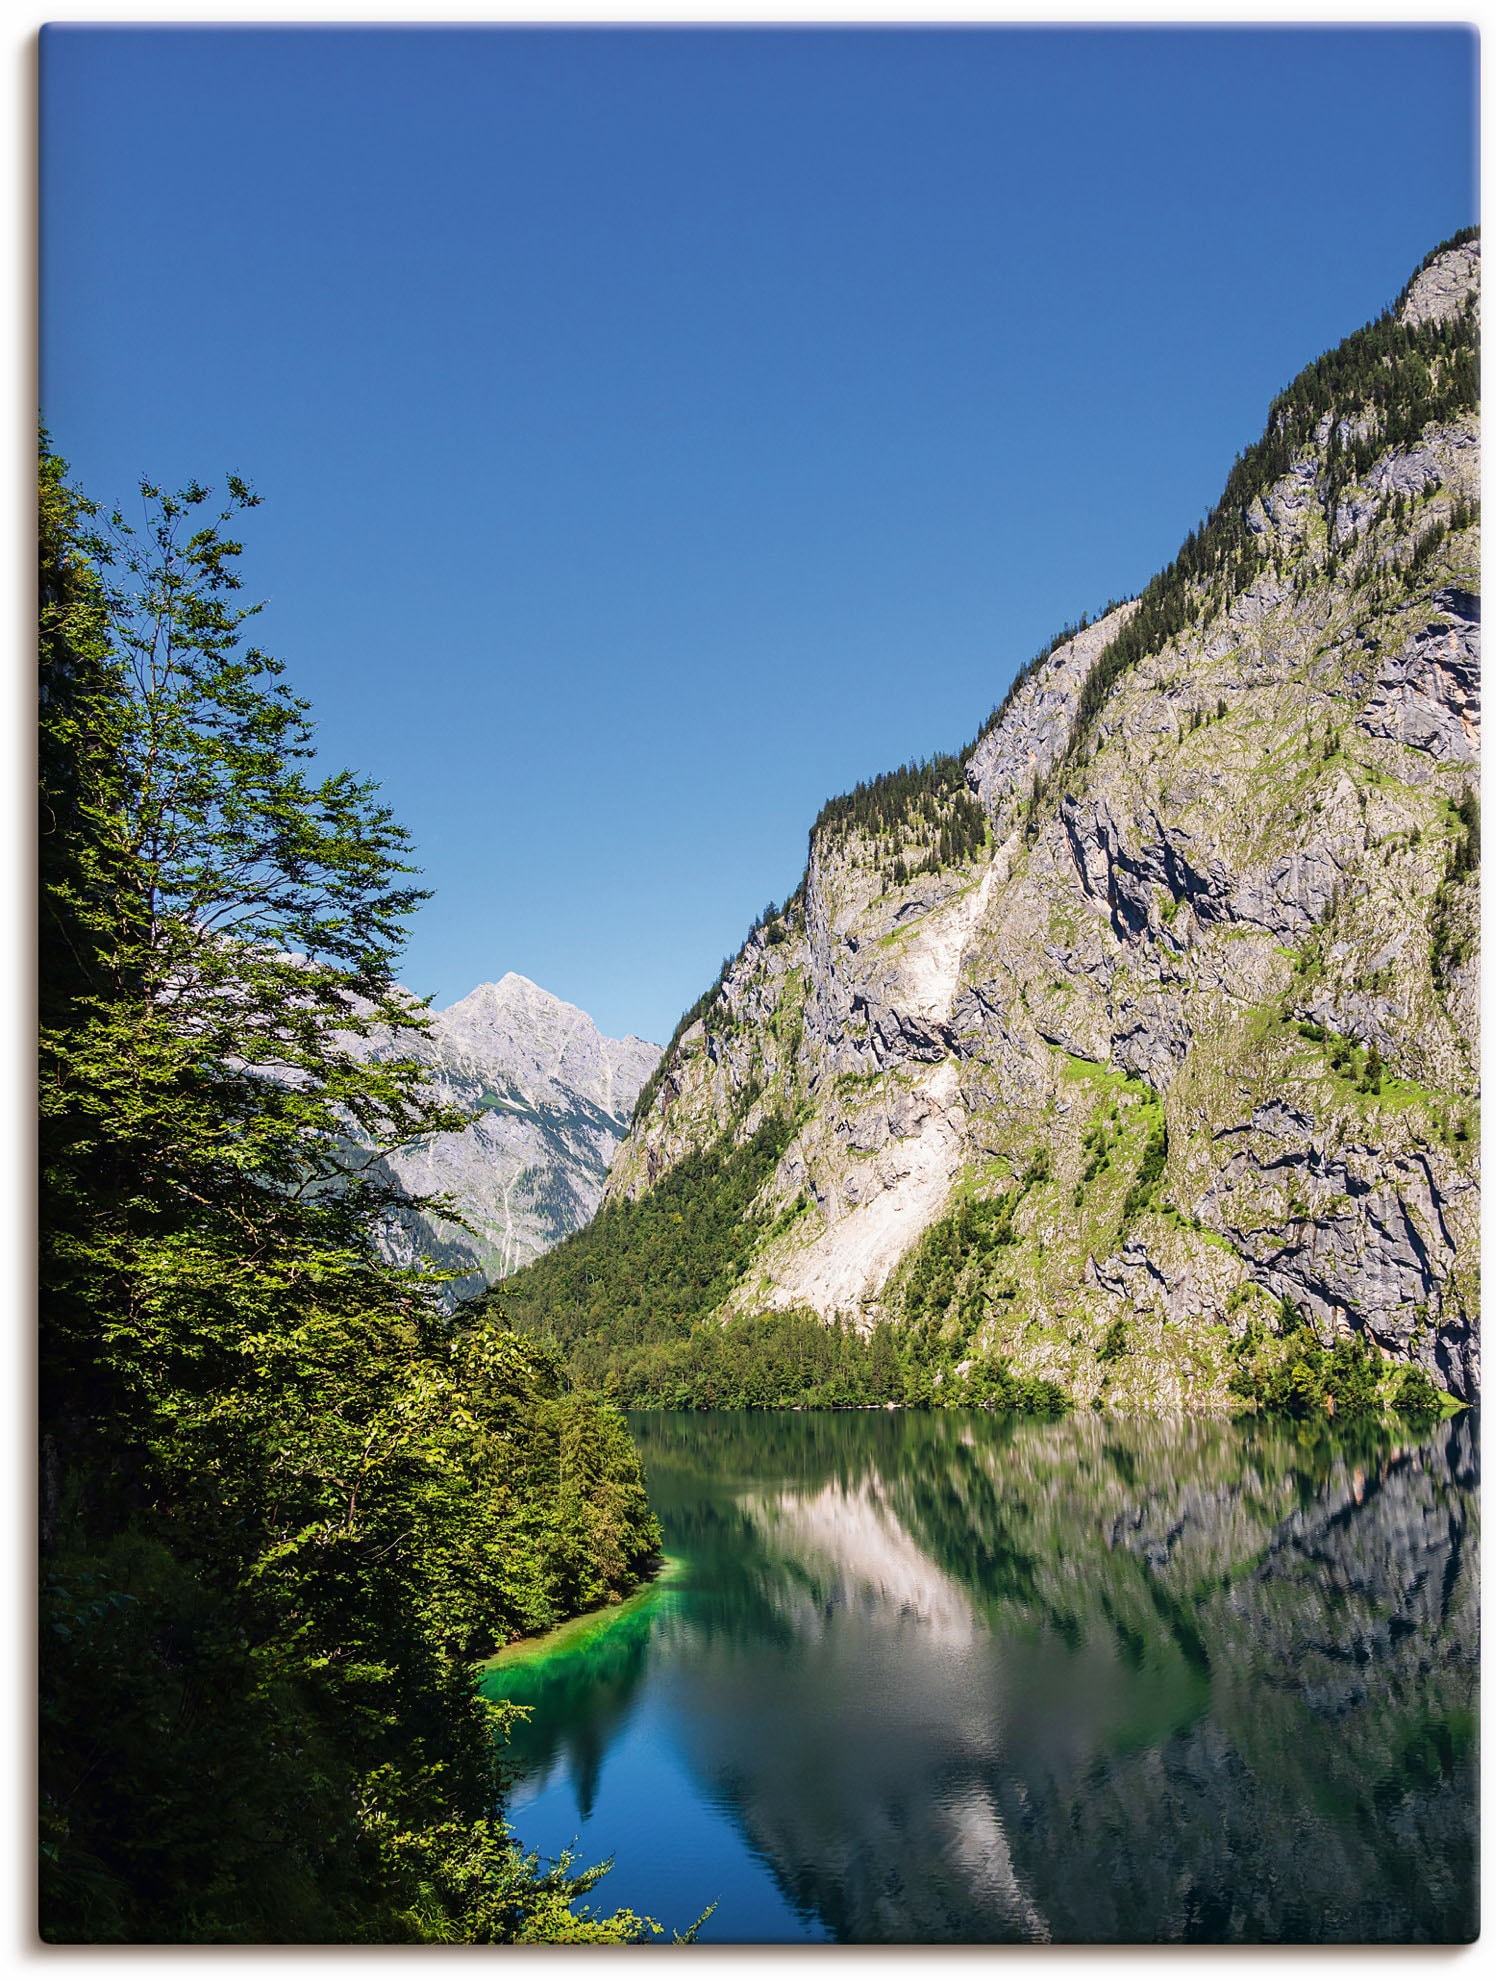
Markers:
630,1304
286,1505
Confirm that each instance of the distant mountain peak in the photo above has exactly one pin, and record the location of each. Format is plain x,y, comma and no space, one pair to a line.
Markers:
555,1095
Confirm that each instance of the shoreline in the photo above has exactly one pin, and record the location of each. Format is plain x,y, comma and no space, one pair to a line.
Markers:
575,1630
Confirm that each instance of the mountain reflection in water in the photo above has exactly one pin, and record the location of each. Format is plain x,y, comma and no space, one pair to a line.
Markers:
941,1677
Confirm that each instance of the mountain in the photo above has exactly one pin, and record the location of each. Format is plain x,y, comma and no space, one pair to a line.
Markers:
1141,1036
555,1097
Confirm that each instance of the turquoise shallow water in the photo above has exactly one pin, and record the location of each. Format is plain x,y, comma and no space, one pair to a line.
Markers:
938,1677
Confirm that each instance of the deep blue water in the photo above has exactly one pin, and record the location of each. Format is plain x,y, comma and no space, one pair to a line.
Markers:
946,1677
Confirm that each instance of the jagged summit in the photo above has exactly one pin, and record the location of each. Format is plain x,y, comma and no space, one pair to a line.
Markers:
553,1096
546,1046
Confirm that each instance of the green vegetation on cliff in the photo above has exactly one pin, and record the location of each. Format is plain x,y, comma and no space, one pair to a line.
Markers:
1378,389
1293,1374
285,1505
1245,917
922,816
1031,667
631,1301
1454,933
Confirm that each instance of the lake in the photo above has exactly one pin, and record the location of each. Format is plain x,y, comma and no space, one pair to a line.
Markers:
919,1677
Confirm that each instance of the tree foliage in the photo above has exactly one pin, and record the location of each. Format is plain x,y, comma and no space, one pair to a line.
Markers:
921,817
1453,935
631,1301
1292,1373
647,1271
285,1504
1031,667
1150,1169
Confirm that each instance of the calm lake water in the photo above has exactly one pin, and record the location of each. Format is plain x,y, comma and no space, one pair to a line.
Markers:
949,1677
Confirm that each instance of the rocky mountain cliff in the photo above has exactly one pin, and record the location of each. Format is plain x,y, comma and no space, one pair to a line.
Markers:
1180,1025
553,1098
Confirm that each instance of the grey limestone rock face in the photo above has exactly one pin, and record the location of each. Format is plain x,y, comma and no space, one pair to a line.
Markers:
1036,723
1427,694
552,1098
1240,885
1443,289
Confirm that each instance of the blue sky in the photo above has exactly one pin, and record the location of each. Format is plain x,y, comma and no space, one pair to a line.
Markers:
660,431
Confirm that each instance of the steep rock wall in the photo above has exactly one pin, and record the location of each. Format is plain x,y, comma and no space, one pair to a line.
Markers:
1225,915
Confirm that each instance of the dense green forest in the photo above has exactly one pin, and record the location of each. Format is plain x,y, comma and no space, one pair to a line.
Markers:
630,1303
285,1505
1292,1374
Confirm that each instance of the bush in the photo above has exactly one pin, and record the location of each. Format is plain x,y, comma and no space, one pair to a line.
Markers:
1150,1169
1415,1396
1114,1341
1292,1375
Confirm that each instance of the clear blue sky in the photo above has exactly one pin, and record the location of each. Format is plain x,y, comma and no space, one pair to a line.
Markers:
660,431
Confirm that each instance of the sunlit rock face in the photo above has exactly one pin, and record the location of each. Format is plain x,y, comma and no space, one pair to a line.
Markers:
552,1097
1258,836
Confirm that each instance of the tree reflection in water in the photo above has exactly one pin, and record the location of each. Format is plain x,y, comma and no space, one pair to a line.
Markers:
963,1678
